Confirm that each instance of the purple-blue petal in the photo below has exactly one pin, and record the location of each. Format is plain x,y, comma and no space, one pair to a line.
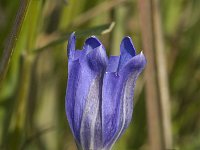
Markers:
90,44
127,51
71,47
127,47
73,79
97,59
91,121
136,63
93,42
117,101
111,93
113,64
84,91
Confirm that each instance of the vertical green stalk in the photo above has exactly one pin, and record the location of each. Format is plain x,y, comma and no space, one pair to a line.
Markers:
16,132
10,45
69,12
118,33
18,127
162,75
152,99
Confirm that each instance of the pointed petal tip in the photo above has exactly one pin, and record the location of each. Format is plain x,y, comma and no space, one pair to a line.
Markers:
93,42
137,63
71,46
73,34
141,59
127,38
97,58
93,36
142,56
72,37
127,46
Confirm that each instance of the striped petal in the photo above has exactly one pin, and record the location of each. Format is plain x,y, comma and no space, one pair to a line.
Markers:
99,96
84,89
117,102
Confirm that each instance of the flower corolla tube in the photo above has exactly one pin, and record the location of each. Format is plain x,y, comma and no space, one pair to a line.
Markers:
99,95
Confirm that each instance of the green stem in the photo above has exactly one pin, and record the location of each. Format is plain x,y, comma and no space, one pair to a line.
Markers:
8,50
162,75
152,99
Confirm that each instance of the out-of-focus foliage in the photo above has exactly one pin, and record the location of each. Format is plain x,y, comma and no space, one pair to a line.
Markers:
32,94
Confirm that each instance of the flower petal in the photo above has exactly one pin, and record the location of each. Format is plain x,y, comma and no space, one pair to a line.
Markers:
83,92
73,79
136,64
127,46
117,101
91,120
91,124
93,42
127,51
113,64
111,93
71,46
90,44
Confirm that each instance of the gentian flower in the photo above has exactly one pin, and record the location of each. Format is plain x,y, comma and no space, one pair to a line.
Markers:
99,96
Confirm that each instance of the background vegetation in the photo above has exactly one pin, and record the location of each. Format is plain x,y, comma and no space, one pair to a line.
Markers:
33,69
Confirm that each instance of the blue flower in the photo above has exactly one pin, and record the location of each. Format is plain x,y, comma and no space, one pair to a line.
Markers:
99,96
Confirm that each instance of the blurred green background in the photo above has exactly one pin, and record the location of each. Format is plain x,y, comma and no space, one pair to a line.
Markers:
33,39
